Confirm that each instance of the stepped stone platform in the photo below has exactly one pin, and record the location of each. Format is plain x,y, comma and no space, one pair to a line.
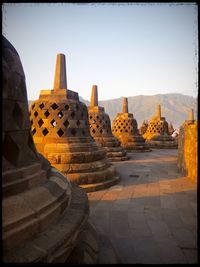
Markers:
150,217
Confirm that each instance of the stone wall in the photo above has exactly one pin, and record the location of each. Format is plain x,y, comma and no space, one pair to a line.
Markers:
187,149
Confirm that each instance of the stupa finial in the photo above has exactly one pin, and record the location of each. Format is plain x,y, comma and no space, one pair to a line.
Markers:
94,96
60,77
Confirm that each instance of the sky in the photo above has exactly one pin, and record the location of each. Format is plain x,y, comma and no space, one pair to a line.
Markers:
125,49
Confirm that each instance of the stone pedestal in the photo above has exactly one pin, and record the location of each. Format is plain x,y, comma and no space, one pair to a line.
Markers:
100,129
44,216
125,129
157,134
61,133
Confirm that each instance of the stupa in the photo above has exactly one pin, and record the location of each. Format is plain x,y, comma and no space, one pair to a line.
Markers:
44,215
125,129
170,128
61,133
143,127
100,129
157,134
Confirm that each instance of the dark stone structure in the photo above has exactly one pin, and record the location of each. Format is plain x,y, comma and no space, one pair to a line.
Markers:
44,216
100,129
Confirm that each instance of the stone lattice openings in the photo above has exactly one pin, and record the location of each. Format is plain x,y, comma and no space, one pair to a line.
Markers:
157,134
125,129
100,129
61,133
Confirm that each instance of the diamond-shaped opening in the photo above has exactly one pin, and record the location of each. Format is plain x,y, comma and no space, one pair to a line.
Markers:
66,123
106,121
93,130
35,114
54,106
40,122
100,121
60,114
97,126
60,132
41,106
101,131
53,123
83,132
33,106
120,130
10,150
17,115
47,114
90,117
45,132
97,117
73,114
66,107
33,131
73,131
126,131
78,123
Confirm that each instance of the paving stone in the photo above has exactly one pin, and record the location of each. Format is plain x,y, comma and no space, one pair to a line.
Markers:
152,218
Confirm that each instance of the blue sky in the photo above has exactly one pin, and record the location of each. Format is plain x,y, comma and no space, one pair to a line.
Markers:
125,49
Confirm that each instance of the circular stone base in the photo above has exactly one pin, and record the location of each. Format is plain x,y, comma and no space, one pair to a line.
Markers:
99,186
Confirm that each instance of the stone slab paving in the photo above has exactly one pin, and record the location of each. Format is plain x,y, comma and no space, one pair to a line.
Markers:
150,217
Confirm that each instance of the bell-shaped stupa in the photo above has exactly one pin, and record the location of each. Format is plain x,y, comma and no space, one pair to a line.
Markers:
44,215
143,127
100,129
157,134
125,129
61,133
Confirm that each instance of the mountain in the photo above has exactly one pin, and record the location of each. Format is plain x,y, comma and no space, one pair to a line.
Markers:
174,107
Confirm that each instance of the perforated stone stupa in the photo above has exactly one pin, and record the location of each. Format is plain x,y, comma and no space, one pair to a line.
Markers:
100,129
125,129
44,216
143,127
157,134
61,133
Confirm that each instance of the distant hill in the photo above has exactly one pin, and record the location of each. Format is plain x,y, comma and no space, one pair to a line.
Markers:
174,107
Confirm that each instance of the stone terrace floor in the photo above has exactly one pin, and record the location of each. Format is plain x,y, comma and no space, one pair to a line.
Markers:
151,215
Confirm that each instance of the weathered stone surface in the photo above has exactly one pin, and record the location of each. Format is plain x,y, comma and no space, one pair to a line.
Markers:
157,134
187,148
43,214
61,134
100,129
125,129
